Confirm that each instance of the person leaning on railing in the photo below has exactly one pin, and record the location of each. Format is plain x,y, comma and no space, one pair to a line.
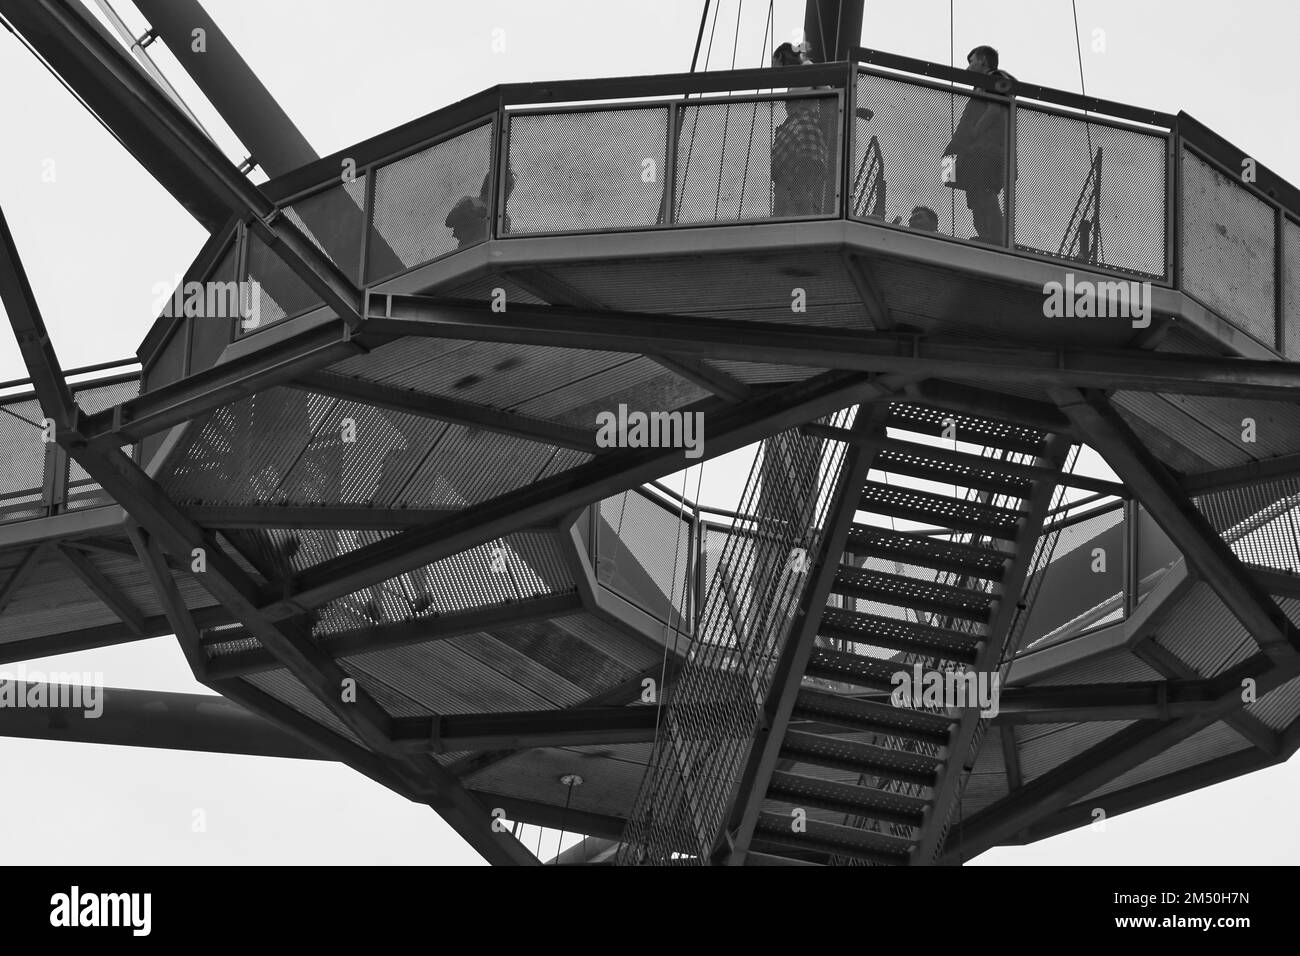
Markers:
799,152
978,147
469,218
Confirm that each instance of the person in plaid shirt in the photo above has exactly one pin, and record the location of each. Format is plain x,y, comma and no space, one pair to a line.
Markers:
799,152
799,161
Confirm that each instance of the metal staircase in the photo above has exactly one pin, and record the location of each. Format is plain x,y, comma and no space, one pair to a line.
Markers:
859,781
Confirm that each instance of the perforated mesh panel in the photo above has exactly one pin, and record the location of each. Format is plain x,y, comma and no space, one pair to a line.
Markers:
911,127
1228,248
415,196
281,294
1291,289
716,702
642,553
1065,209
757,160
517,568
210,336
1260,522
1081,588
586,172
334,223
22,466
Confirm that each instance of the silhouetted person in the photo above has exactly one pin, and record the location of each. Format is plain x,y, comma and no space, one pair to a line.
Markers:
468,219
979,145
923,218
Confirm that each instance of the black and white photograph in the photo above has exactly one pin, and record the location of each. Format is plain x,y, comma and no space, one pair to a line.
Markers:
690,433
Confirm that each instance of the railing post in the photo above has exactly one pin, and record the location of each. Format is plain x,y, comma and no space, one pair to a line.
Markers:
1279,276
1130,558
500,166
1010,170
1176,206
667,208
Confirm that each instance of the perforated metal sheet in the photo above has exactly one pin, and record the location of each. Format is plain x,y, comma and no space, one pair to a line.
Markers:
1044,747
414,197
912,126
1217,740
768,159
281,294
642,553
587,171
333,221
1278,709
22,467
1228,238
1054,161
287,689
1204,634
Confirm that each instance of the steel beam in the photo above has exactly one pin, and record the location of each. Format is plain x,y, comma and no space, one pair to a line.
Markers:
154,719
1074,703
325,517
552,498
405,633
1131,747
442,408
946,357
1240,476
149,504
103,588
1144,794
521,730
97,68
1205,551
764,750
104,635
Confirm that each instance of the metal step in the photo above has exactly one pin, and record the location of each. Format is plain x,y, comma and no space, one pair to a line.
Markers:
991,433
906,592
898,635
854,713
753,858
927,551
834,839
949,467
801,791
853,669
940,510
839,754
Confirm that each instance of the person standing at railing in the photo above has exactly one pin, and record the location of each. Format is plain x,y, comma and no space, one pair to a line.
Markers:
469,218
799,153
978,150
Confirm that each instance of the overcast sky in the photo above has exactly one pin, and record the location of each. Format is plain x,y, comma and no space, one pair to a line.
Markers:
100,236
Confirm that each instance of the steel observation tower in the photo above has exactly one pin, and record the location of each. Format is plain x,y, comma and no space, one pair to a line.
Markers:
371,506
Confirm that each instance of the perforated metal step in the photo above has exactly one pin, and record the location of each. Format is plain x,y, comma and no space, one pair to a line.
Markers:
853,669
832,838
949,467
897,635
854,713
946,512
880,805
840,754
927,552
926,420
902,591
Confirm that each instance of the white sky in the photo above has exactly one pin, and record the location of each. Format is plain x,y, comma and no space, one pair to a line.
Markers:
97,239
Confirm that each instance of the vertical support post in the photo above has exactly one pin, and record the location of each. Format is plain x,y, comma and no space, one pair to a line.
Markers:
1171,203
1279,275
1130,566
501,166
1010,167
667,208
367,224
1176,245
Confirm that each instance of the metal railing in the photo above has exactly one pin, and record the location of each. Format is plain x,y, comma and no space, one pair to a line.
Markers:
37,479
864,140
